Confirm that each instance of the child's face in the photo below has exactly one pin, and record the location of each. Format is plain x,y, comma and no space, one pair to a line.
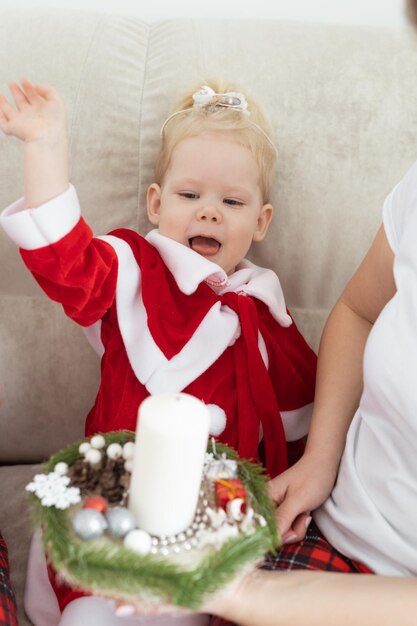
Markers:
210,199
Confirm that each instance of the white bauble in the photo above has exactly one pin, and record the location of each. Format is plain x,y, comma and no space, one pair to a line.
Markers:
84,448
98,442
93,456
128,450
138,541
114,451
61,468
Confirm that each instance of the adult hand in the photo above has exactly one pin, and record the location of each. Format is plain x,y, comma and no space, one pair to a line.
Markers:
299,490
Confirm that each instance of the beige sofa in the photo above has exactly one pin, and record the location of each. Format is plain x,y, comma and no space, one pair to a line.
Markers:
343,105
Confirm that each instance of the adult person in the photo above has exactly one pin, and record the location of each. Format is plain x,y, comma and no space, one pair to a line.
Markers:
301,598
367,359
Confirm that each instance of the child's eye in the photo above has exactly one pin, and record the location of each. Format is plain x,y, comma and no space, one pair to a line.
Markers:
232,202
189,194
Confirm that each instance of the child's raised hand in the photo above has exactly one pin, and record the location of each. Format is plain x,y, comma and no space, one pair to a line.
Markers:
38,115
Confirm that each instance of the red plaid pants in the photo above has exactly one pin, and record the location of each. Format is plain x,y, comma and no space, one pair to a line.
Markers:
313,553
7,600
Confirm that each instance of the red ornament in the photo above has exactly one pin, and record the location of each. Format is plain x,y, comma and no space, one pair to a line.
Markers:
98,503
227,489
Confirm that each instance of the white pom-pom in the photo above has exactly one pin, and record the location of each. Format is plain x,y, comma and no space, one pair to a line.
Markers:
128,465
98,442
93,456
128,450
217,419
114,451
84,448
61,468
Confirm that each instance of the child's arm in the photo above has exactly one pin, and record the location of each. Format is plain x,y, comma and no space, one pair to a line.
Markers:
39,121
308,483
72,267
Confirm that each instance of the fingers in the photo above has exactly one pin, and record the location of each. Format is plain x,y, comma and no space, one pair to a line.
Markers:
278,488
290,517
288,503
124,610
27,93
19,96
7,112
151,609
286,515
31,92
45,91
297,530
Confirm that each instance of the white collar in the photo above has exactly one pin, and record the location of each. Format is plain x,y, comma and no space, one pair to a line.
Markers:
190,269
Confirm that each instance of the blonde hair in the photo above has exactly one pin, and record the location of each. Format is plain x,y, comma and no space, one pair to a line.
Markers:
251,131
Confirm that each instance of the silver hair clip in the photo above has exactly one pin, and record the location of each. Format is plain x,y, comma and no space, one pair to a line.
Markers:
206,98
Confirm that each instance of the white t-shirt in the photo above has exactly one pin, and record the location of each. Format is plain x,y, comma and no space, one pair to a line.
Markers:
371,514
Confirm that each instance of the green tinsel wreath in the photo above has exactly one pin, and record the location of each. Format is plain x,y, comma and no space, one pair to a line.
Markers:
108,569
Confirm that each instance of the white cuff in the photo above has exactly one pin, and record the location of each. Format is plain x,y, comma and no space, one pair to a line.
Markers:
36,228
297,422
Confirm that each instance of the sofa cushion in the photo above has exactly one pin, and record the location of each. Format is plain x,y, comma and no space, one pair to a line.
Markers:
343,122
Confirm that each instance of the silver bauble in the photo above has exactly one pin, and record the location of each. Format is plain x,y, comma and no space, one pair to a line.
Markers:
120,521
89,524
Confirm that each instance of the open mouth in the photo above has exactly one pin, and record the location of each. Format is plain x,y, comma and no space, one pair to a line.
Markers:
207,246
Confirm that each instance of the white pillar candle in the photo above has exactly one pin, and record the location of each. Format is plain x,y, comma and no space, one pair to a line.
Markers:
171,440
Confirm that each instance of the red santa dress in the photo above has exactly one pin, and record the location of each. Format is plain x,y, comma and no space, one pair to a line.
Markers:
165,319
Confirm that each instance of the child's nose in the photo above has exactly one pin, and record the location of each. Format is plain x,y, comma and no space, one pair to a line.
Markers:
209,213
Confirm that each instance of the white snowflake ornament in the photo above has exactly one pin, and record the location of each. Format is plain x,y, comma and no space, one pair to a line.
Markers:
52,490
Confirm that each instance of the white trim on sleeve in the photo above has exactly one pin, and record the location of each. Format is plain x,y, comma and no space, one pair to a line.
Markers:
297,422
36,228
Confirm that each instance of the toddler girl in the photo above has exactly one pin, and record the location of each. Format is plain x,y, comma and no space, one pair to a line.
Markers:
181,309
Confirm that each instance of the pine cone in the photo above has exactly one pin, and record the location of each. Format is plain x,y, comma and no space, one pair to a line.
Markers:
125,480
84,476
113,495
111,482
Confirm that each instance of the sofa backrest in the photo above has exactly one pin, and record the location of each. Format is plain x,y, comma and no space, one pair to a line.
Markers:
342,101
